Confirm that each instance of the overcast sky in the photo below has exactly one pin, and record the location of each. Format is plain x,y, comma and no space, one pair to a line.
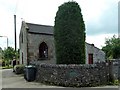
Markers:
100,17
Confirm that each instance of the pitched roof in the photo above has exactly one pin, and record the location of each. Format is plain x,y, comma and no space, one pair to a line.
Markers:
41,29
94,46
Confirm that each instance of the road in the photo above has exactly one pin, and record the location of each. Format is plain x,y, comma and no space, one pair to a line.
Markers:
11,80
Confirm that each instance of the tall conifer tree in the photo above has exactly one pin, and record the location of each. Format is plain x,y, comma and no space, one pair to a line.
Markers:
69,34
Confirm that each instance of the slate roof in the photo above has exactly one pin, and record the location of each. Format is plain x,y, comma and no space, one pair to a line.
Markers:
40,29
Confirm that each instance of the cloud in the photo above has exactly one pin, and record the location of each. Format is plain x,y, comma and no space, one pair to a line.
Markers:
106,23
6,26
8,5
100,16
119,18
99,40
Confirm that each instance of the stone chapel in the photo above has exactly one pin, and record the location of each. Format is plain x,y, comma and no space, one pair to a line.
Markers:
36,44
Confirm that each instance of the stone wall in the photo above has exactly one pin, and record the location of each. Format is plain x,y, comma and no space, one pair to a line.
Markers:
114,69
23,44
34,41
73,75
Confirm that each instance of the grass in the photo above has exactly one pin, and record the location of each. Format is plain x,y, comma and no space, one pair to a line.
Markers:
6,67
115,82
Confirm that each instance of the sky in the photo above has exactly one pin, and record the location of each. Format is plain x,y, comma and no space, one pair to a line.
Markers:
100,17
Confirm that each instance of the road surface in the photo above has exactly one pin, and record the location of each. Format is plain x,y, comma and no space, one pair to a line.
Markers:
11,80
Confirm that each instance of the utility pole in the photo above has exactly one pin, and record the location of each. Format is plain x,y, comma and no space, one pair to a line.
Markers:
15,31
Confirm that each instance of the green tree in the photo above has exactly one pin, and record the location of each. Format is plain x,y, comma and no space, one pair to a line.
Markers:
0,53
112,48
69,34
8,54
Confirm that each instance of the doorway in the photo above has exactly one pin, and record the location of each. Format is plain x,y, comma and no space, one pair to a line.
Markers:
90,58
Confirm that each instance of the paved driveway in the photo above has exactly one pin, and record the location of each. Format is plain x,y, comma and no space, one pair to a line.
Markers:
11,80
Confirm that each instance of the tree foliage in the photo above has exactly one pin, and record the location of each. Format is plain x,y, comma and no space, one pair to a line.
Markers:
0,53
9,53
69,34
112,48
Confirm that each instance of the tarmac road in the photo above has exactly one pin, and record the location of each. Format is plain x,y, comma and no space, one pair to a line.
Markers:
11,80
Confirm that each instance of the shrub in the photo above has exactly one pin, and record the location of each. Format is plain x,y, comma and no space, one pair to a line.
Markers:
69,34
19,69
116,82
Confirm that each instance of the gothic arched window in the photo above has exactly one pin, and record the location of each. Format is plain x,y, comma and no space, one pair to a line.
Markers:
43,51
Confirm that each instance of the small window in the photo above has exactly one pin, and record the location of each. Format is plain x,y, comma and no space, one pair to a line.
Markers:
22,37
22,57
43,51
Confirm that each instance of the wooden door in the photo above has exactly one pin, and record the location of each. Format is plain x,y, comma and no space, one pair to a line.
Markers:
90,58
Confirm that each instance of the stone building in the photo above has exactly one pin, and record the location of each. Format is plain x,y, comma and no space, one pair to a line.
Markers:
37,45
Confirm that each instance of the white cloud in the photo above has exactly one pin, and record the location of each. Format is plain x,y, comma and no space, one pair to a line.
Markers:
44,11
99,40
6,27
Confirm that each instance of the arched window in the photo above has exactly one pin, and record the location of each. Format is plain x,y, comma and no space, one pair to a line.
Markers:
43,51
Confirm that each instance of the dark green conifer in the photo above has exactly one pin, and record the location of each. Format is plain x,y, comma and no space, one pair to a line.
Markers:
69,34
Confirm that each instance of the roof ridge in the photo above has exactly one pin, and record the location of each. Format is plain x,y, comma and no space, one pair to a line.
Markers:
39,24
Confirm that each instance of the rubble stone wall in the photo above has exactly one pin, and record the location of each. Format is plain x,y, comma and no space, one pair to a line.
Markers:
73,75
